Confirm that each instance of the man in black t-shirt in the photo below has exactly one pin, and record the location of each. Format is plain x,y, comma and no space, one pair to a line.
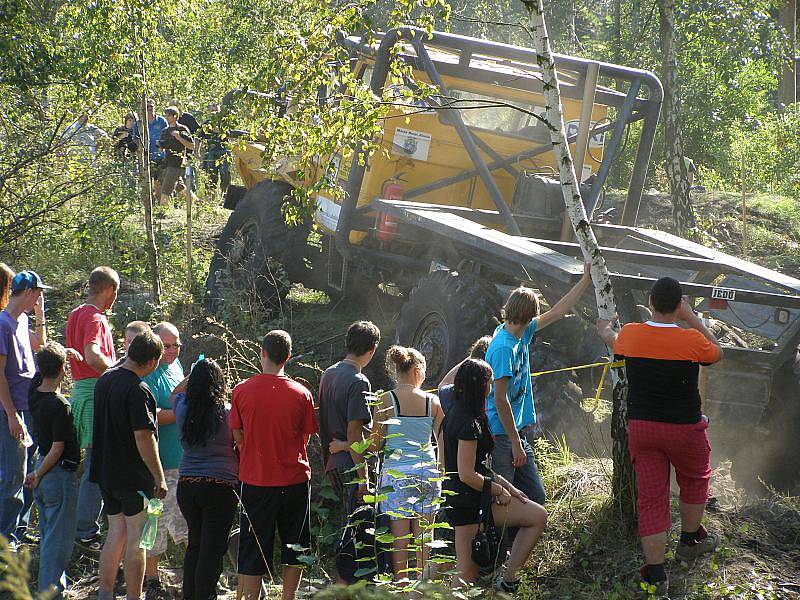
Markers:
54,479
125,460
175,140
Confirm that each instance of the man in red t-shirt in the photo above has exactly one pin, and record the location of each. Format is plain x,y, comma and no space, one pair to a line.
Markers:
272,418
89,334
665,424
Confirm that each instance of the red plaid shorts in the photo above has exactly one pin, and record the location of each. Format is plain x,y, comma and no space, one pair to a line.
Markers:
654,446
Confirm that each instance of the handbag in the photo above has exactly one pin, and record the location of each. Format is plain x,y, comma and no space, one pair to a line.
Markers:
486,542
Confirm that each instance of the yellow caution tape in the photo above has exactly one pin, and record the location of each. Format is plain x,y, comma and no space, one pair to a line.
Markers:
605,364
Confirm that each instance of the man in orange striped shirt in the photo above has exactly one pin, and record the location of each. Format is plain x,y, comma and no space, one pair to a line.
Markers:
665,425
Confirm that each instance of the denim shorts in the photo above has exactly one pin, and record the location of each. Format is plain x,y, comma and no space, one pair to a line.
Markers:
526,478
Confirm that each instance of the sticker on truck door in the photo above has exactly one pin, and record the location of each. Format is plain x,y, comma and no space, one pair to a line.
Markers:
412,144
595,141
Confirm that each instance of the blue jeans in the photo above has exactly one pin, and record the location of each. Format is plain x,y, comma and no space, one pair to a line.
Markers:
525,478
56,500
90,503
15,462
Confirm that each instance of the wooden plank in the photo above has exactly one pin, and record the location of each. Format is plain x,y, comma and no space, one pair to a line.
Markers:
732,263
635,257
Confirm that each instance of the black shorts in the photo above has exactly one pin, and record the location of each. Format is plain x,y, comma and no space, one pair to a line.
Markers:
264,508
445,534
458,516
127,502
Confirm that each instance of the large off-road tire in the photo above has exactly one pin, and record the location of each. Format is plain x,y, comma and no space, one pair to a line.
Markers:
258,256
443,315
559,397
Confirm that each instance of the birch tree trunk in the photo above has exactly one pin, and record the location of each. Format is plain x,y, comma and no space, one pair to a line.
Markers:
146,184
622,488
683,217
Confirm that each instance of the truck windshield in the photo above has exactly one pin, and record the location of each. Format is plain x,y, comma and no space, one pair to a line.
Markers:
488,113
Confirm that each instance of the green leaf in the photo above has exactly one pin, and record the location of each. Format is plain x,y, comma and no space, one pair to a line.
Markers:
360,446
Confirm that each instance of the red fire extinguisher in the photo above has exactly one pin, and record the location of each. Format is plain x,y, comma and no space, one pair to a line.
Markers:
386,229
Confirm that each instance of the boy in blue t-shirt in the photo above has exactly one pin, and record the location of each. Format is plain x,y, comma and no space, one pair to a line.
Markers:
510,405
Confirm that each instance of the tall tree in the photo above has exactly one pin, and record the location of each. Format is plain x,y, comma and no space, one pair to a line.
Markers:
683,217
788,90
622,480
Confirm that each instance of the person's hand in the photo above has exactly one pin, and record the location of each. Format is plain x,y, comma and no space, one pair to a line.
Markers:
685,311
75,354
338,446
32,480
38,310
503,498
606,323
519,494
518,457
15,427
160,490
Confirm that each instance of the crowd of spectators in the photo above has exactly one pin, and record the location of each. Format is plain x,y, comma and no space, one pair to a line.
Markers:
139,429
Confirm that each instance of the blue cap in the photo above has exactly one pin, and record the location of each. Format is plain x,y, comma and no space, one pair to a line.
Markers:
27,280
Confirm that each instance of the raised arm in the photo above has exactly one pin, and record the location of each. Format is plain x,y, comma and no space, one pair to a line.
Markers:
566,303
606,332
688,316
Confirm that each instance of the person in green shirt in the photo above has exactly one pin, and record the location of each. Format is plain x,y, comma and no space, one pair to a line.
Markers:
162,382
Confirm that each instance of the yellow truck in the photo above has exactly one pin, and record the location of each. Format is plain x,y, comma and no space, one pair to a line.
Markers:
463,201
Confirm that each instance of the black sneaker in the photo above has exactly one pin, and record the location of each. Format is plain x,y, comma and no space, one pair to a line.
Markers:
653,589
92,545
506,587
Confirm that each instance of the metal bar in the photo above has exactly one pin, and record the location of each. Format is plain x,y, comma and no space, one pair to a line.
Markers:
609,153
527,84
466,139
630,211
358,166
587,106
529,56
582,142
497,157
465,175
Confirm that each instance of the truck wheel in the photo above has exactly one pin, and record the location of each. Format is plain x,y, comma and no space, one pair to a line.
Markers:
257,253
444,314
